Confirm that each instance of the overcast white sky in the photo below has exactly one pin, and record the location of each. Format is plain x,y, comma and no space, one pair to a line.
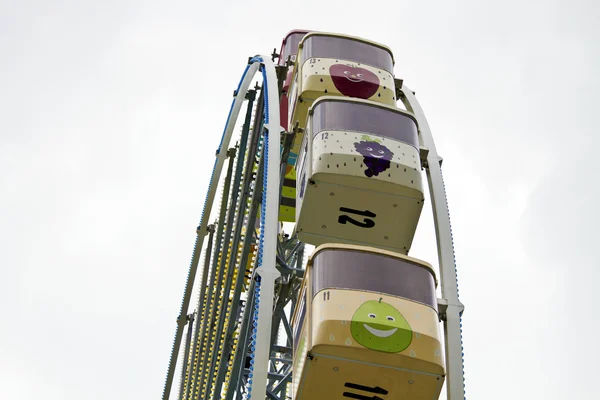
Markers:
110,113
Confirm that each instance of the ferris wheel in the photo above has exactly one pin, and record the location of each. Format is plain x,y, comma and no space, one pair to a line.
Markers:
301,279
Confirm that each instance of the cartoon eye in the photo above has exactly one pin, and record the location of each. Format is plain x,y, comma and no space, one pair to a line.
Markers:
391,319
347,72
369,149
359,75
380,152
372,315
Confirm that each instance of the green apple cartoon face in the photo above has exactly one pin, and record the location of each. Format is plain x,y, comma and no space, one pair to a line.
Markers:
379,326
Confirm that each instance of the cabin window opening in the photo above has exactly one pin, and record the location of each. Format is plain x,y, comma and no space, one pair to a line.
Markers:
347,49
364,118
372,272
291,46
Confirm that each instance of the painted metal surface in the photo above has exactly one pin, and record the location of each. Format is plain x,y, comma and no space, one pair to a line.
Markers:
202,227
445,245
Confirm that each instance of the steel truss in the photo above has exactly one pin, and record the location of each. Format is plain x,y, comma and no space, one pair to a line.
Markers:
235,349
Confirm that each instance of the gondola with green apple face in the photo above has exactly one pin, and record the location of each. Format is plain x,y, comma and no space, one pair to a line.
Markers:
367,324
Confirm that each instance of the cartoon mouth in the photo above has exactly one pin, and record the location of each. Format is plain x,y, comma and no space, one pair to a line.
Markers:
380,333
354,79
376,156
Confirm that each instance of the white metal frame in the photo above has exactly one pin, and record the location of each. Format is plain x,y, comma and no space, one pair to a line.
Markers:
268,272
450,304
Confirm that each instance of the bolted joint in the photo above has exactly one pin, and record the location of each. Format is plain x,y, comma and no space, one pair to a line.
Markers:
209,229
281,72
251,94
398,89
444,305
274,55
182,320
297,128
423,153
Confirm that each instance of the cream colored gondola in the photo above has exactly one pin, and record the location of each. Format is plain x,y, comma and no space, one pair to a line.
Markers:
366,327
288,52
360,175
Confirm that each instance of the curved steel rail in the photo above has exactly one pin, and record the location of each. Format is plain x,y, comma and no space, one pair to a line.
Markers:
266,270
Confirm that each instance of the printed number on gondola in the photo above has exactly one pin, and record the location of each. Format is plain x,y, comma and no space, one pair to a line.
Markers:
367,222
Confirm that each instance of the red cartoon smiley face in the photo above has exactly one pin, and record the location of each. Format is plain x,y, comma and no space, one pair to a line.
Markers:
354,81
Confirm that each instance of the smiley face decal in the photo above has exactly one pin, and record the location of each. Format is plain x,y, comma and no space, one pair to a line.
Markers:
376,156
354,81
379,326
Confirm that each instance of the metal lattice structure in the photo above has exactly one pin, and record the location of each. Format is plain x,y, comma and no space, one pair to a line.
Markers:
237,342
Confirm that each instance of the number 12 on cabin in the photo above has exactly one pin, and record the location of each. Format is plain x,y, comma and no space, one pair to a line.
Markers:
366,223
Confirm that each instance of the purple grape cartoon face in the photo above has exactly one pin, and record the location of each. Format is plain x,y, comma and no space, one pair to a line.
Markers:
377,157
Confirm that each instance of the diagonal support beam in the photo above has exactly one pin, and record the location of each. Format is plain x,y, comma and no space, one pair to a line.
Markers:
281,385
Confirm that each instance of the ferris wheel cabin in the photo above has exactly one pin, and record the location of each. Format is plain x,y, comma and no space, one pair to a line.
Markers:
366,327
287,55
288,52
360,175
